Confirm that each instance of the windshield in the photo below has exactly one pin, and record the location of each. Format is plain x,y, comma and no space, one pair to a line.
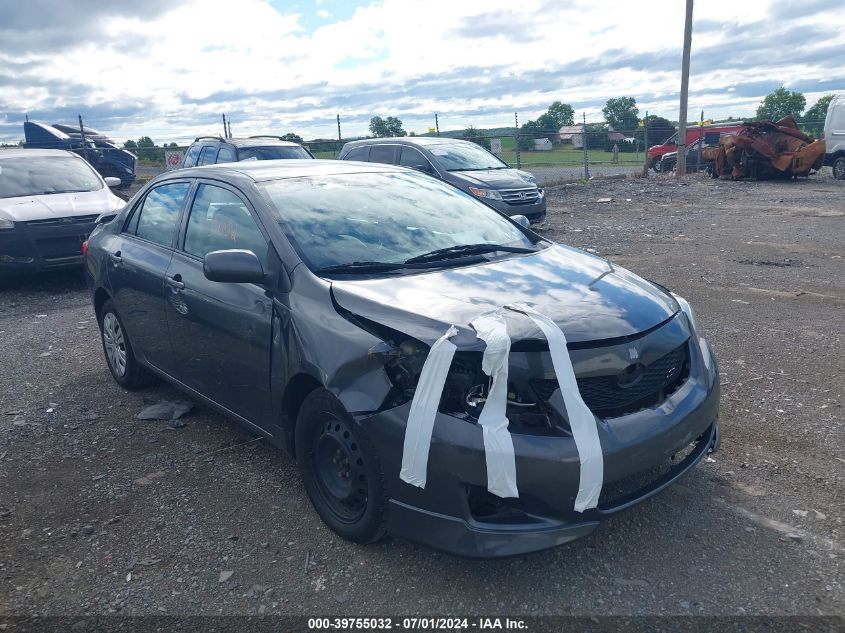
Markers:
465,156
30,176
272,153
336,220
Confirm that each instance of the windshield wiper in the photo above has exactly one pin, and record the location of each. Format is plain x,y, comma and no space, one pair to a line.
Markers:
463,250
360,267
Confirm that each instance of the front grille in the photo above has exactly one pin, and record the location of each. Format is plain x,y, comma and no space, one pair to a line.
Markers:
73,220
606,397
520,196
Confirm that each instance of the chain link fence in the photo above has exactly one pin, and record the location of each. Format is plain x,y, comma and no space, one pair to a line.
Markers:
570,153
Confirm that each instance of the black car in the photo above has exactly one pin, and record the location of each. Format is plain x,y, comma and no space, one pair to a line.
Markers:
210,150
440,372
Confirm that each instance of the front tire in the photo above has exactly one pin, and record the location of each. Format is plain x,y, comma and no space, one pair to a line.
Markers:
839,168
340,469
124,367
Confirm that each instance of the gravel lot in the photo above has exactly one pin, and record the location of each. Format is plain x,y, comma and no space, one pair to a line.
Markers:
102,513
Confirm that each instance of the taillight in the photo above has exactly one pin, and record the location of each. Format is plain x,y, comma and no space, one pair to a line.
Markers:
85,248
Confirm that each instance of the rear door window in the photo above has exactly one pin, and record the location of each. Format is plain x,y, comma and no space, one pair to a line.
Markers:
383,154
359,153
208,155
156,218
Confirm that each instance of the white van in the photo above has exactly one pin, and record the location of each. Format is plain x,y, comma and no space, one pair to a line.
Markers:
834,136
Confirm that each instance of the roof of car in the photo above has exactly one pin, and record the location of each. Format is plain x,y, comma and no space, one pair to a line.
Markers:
252,141
17,153
409,140
263,170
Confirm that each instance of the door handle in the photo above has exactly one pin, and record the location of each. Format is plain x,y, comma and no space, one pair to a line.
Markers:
175,281
115,258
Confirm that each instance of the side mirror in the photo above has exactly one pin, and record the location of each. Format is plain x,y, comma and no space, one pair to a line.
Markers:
111,181
233,266
521,220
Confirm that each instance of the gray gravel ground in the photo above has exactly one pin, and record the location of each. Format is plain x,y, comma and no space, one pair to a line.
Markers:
102,513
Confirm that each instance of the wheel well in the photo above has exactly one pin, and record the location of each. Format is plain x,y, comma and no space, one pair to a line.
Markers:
296,391
100,297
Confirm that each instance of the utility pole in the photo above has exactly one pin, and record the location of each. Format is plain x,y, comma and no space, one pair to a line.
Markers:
584,144
645,144
436,124
339,137
516,140
681,167
224,125
229,128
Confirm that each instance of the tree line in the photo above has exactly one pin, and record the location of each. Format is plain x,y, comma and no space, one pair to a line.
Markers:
621,114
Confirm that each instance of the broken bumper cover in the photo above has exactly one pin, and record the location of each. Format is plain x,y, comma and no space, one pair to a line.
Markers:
44,244
456,514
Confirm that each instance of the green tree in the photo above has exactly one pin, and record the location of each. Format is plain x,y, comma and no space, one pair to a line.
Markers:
818,112
780,103
558,115
390,126
659,129
622,114
528,131
474,135
130,144
290,136
147,149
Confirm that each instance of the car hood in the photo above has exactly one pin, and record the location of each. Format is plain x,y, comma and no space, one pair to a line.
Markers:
59,205
587,297
496,178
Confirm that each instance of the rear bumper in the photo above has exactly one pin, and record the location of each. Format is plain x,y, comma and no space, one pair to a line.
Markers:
33,248
644,452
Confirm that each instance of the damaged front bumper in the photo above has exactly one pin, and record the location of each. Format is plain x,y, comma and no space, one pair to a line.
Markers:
644,452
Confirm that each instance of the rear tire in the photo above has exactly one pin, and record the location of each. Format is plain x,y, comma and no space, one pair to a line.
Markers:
839,168
340,469
658,165
124,367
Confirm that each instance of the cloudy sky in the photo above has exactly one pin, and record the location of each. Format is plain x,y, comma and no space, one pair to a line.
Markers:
168,68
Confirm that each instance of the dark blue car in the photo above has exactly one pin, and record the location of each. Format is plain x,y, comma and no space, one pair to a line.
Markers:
440,372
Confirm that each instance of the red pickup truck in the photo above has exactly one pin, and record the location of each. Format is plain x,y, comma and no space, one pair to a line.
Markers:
710,133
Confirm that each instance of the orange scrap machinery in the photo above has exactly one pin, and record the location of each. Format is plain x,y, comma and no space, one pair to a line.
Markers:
764,149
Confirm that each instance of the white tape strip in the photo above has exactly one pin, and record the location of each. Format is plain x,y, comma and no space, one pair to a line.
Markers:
424,409
498,444
581,419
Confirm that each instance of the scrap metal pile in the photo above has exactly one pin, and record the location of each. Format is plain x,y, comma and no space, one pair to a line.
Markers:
764,149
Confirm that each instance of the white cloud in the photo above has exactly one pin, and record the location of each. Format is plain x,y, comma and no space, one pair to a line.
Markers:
474,62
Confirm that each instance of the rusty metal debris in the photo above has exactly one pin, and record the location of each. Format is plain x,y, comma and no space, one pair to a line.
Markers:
766,149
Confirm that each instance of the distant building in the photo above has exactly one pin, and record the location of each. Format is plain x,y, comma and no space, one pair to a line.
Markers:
573,134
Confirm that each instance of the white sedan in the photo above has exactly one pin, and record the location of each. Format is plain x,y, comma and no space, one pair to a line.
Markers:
49,203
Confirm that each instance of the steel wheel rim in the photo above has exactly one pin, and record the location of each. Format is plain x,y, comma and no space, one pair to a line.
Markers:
114,344
839,169
339,470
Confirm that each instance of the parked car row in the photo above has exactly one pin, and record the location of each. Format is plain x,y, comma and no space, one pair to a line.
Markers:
46,214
